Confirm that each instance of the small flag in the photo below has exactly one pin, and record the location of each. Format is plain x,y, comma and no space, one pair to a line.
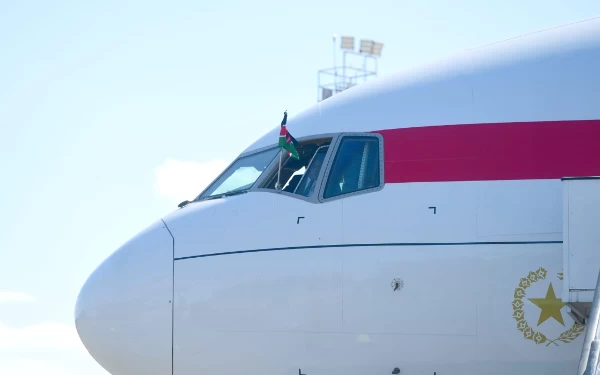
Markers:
286,141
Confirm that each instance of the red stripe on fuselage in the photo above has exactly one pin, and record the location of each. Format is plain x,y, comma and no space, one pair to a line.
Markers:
499,151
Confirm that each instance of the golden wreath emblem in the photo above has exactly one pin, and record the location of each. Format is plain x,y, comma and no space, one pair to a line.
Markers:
529,333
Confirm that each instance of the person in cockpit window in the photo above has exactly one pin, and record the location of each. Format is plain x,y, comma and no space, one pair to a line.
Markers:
308,183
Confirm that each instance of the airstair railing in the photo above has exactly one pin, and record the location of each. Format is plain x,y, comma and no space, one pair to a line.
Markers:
590,353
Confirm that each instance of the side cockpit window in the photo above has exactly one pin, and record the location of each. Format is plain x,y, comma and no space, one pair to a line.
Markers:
308,182
298,176
356,166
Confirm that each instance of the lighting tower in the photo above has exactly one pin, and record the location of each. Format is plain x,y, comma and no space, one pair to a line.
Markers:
334,80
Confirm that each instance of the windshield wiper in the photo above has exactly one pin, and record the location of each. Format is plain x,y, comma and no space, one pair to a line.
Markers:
229,194
235,192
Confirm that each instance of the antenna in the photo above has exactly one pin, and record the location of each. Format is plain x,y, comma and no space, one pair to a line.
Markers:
369,50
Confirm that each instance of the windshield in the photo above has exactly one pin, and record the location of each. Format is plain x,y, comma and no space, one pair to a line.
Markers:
241,175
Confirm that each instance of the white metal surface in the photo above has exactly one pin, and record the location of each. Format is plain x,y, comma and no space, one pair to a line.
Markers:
581,238
123,312
265,283
266,300
333,311
257,221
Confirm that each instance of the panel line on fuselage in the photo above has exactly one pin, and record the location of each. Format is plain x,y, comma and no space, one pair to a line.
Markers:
172,301
369,245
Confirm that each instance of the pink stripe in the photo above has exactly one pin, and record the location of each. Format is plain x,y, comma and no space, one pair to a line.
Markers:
501,151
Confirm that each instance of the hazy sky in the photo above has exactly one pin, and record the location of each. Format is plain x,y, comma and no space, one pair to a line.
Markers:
112,112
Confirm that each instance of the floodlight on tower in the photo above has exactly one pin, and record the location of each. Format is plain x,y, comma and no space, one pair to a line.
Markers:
377,47
366,46
348,42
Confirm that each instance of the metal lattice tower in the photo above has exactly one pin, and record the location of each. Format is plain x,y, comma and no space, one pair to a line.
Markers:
357,66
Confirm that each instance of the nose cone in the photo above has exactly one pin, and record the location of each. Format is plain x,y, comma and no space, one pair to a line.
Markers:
124,312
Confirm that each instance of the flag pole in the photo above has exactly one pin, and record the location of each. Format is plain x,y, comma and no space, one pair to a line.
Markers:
278,186
283,122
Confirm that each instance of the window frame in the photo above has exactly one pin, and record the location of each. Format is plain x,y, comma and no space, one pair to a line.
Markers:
315,197
333,147
323,165
332,157
243,155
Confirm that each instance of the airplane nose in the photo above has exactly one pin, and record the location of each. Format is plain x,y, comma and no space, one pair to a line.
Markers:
123,313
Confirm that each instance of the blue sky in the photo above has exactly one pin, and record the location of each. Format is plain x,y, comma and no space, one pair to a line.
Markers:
113,112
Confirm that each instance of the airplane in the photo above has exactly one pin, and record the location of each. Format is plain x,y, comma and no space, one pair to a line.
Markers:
418,231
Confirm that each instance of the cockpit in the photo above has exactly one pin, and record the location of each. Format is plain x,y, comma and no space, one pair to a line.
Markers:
347,163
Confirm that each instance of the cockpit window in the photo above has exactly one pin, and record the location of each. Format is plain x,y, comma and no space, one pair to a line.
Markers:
355,167
291,176
307,185
241,175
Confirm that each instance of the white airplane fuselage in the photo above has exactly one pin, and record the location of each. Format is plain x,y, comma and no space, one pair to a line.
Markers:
450,262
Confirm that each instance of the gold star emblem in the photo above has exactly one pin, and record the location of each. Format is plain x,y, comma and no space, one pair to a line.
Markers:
550,307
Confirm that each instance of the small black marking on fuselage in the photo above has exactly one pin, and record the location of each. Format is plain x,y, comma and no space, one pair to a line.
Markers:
299,217
433,208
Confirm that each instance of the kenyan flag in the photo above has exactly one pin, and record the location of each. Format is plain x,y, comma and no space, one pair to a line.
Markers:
286,141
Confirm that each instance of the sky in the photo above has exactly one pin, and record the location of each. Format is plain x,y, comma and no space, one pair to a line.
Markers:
113,112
